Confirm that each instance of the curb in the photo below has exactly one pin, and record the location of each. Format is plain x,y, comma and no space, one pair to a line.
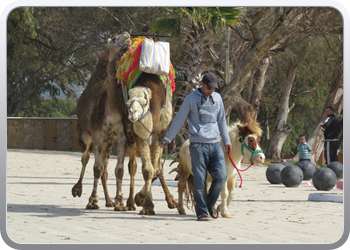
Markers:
326,197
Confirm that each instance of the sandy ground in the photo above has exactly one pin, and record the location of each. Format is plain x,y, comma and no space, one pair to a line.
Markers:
41,209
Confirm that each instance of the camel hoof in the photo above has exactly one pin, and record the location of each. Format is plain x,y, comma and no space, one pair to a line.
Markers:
110,204
120,208
147,211
131,208
77,190
139,199
130,204
92,206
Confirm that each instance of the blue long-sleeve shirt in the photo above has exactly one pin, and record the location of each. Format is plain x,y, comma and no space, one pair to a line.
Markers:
304,150
206,118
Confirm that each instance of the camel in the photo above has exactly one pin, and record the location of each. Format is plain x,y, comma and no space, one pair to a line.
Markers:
245,141
109,122
92,100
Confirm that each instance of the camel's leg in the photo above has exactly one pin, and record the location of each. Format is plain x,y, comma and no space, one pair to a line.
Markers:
86,140
104,177
144,196
132,167
119,173
157,164
99,168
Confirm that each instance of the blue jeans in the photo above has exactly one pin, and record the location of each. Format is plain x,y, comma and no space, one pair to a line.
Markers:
207,157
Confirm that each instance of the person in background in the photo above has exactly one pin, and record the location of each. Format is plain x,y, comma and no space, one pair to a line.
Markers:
204,110
331,130
304,149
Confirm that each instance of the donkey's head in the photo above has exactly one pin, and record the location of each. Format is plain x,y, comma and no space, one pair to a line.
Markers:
139,103
250,139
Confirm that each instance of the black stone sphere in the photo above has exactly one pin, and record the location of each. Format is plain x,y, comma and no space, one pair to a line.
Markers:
273,173
324,179
308,169
291,176
337,167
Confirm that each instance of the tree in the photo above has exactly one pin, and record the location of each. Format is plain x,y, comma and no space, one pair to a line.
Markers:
196,26
268,32
334,99
45,107
52,49
282,129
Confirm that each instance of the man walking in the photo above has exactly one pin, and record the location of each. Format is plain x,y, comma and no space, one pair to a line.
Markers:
204,110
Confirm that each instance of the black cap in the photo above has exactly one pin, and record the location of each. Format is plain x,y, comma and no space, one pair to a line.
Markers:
210,80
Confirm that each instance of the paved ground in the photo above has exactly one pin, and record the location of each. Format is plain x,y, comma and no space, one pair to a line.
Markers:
41,209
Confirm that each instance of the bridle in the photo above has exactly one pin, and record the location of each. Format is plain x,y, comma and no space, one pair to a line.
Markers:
244,145
119,44
143,110
253,152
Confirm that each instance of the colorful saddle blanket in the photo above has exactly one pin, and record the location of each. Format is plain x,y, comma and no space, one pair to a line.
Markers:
128,68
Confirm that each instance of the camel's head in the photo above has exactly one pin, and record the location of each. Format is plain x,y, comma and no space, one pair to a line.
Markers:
250,143
139,103
118,45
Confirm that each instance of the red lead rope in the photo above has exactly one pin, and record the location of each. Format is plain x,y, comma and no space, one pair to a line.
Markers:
238,170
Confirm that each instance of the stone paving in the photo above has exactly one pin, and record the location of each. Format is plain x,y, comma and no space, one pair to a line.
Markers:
41,209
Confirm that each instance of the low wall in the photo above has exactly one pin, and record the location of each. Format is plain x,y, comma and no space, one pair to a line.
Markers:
42,133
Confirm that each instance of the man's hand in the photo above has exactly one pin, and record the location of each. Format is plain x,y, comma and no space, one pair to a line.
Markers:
228,148
163,142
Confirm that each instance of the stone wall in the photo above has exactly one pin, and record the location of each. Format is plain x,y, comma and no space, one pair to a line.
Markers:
42,133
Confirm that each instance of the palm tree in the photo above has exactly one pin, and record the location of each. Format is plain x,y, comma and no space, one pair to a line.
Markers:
196,28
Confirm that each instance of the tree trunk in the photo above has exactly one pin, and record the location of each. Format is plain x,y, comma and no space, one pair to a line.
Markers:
248,107
282,130
283,28
334,99
259,81
276,143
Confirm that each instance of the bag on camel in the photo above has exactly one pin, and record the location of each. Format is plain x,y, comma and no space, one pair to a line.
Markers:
155,57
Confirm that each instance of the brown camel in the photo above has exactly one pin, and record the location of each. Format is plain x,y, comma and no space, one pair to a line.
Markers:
90,102
109,121
147,106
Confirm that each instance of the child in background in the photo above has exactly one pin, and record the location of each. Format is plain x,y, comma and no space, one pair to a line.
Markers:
304,149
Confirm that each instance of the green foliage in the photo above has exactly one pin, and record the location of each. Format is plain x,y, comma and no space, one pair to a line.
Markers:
310,90
199,16
43,107
51,49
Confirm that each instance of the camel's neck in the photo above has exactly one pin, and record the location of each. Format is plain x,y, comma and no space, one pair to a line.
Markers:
112,65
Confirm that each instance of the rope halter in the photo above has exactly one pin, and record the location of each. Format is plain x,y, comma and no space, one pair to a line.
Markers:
253,152
119,43
143,108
